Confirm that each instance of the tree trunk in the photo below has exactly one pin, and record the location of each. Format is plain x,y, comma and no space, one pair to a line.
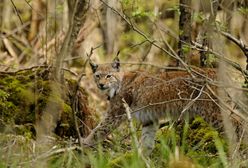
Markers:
184,31
37,14
76,21
208,29
110,28
52,111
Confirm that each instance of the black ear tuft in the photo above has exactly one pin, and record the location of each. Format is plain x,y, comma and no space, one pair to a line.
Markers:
116,63
93,66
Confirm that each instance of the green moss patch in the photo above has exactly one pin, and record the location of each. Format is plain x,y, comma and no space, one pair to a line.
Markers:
24,97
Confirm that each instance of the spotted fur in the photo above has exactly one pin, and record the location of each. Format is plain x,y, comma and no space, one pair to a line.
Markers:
172,95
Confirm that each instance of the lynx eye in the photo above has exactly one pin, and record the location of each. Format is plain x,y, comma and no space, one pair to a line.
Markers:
97,76
108,76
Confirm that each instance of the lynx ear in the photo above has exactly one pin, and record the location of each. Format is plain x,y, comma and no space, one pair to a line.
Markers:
93,66
116,63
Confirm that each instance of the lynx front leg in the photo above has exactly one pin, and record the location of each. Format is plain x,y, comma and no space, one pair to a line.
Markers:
148,137
103,129
91,139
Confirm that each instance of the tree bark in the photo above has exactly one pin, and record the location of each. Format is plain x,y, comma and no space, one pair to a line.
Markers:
37,13
109,27
208,29
184,31
76,20
52,111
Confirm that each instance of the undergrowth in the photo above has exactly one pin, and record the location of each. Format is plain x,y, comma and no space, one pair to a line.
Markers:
192,145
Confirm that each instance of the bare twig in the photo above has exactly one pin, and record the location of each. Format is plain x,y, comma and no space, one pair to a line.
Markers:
133,134
129,118
75,110
16,11
9,46
239,43
53,152
190,104
12,33
36,67
152,65
245,118
92,50
235,65
74,101
153,42
70,71
238,144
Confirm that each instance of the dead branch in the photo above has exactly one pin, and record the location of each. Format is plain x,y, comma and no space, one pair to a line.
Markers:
239,43
74,101
75,110
16,11
36,67
10,48
145,36
235,65
135,139
190,104
231,111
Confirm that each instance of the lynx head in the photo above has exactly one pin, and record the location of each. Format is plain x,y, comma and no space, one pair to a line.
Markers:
107,76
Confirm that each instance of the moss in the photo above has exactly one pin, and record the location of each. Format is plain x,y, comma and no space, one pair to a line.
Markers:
202,136
67,108
26,130
196,141
24,96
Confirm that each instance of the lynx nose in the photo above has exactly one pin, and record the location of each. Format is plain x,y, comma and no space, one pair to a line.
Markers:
101,85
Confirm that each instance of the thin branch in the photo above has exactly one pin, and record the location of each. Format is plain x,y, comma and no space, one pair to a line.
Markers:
56,152
153,65
138,44
167,102
75,109
238,144
36,67
239,43
153,42
92,50
190,104
12,33
129,118
70,71
235,65
37,12
133,134
225,105
75,100
16,11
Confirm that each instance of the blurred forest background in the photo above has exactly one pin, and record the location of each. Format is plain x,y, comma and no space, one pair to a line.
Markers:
46,86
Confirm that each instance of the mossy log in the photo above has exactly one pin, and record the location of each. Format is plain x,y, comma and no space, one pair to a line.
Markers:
24,97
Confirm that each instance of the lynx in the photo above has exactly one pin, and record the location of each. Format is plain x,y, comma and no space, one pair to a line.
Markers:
171,95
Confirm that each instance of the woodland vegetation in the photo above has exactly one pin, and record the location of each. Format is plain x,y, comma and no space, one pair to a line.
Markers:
49,101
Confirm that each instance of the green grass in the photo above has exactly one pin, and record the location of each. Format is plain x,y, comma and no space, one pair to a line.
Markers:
185,146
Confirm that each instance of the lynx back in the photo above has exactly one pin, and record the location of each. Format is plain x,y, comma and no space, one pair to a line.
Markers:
172,95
